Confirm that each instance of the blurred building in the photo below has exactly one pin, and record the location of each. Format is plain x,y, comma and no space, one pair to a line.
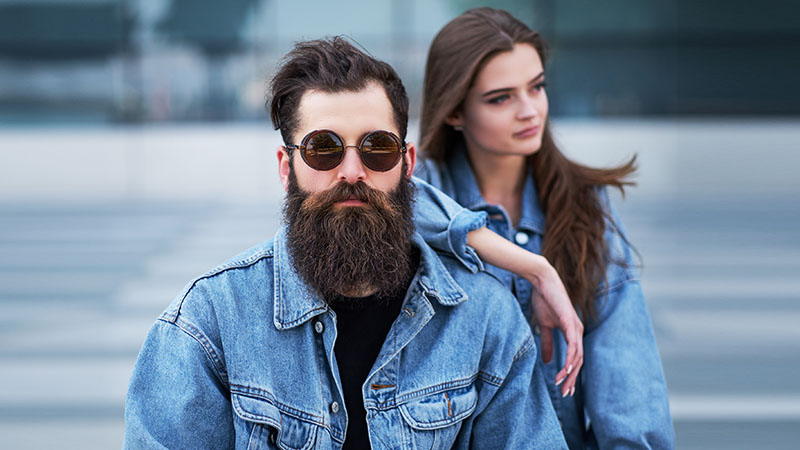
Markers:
178,60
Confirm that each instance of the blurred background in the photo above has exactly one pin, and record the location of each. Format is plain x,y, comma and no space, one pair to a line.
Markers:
135,154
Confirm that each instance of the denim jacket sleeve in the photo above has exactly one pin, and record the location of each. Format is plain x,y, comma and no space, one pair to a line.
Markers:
444,224
177,397
624,387
520,414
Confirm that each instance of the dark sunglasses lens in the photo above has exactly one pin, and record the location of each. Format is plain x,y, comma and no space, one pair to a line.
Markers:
323,151
380,151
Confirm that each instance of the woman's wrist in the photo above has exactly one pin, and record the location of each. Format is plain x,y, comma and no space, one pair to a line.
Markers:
539,269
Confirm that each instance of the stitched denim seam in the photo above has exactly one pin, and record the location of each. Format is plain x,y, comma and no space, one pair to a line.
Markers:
261,394
194,333
305,317
282,312
259,418
438,423
490,378
240,264
529,342
617,285
379,438
255,435
441,387
481,221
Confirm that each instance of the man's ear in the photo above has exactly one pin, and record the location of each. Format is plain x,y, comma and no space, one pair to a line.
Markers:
411,158
283,166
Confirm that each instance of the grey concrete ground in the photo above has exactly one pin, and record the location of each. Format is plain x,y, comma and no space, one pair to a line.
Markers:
96,242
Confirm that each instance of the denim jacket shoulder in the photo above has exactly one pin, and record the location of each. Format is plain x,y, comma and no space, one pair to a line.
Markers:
444,224
245,355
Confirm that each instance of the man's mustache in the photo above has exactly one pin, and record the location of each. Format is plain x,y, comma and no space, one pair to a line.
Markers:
343,191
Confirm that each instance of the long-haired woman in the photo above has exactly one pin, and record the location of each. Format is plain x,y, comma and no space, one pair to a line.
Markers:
487,143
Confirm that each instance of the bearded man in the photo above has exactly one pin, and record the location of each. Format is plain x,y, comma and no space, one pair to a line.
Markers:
346,330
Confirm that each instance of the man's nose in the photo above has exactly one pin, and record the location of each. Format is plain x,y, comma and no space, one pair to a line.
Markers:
351,169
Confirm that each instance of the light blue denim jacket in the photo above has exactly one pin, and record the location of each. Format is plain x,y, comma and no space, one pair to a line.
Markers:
243,358
621,398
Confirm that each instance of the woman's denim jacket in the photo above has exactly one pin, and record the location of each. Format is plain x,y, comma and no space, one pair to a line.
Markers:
621,397
243,358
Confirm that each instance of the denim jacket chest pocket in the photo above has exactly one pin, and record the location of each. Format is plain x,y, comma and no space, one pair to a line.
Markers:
432,421
267,427
436,418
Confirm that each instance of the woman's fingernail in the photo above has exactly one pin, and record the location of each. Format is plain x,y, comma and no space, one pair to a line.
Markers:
572,391
558,382
569,369
565,393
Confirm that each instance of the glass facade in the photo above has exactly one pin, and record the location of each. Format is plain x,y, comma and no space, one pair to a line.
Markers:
124,61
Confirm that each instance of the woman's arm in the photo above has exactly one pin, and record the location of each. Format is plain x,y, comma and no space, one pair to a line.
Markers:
551,305
625,392
447,226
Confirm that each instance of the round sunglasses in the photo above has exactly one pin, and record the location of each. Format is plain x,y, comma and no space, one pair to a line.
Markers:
379,150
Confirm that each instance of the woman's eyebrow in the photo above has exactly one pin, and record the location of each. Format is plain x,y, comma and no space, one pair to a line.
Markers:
496,91
507,89
537,78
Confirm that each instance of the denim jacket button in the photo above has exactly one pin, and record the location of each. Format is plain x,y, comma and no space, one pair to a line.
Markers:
521,238
335,407
319,327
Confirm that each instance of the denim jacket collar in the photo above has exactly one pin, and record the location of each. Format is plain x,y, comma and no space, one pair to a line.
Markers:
469,195
295,302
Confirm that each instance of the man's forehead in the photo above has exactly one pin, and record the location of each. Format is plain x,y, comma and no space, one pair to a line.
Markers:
347,111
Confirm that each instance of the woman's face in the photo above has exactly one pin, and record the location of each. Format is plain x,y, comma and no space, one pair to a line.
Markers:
505,110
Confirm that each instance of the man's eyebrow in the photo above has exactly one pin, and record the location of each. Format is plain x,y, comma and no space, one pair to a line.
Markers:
504,90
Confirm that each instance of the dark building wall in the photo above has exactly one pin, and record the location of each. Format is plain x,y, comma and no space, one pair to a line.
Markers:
672,57
611,58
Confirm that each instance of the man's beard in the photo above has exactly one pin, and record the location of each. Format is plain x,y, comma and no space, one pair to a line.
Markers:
351,251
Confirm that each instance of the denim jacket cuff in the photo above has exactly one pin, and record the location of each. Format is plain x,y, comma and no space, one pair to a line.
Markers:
461,224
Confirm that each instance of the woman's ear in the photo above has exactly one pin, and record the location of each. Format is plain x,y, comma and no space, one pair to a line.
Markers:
454,120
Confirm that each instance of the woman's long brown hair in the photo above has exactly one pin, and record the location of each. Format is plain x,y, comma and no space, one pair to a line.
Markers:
575,217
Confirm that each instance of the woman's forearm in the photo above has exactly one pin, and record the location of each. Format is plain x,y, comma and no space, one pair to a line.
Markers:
500,252
550,302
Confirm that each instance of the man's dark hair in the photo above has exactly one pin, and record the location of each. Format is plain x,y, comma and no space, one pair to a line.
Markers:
330,65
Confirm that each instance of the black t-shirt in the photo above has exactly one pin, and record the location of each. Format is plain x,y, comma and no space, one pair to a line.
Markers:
362,326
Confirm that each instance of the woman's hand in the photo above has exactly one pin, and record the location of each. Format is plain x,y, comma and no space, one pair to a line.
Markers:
553,309
551,305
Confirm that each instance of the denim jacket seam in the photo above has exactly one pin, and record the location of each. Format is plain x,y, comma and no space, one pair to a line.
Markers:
281,306
527,345
482,221
195,333
377,436
607,294
238,264
262,394
490,378
254,417
304,318
621,283
435,389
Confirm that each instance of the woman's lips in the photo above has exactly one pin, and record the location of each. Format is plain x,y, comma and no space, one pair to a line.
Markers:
527,132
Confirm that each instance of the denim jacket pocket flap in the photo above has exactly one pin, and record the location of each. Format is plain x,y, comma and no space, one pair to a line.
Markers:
288,432
441,409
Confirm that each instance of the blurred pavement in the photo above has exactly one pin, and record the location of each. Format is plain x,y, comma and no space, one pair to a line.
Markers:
101,228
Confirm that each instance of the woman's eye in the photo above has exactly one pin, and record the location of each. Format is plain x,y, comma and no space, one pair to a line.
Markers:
499,99
539,86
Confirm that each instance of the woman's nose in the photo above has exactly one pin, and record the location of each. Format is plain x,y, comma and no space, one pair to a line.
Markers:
527,108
